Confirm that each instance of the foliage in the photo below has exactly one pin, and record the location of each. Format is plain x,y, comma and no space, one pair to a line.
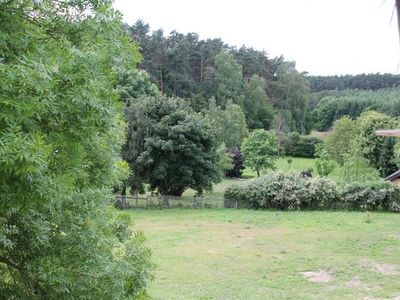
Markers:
361,81
225,161
371,197
291,192
338,144
332,105
356,168
297,145
378,150
325,165
260,150
60,135
229,125
238,163
228,79
258,107
183,65
283,191
170,147
291,93
132,84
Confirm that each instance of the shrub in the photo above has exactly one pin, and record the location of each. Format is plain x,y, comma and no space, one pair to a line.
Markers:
285,192
324,164
374,196
291,192
238,163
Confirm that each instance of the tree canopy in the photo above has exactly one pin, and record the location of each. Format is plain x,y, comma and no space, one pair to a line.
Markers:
170,147
260,150
61,131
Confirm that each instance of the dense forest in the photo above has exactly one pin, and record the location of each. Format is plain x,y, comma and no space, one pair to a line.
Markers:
361,81
270,91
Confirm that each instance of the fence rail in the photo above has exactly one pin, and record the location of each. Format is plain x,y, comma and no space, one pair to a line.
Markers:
162,201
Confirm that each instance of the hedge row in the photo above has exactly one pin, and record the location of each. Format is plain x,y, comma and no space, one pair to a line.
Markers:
291,192
296,145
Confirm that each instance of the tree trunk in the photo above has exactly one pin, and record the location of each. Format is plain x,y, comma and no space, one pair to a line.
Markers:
201,67
123,198
258,173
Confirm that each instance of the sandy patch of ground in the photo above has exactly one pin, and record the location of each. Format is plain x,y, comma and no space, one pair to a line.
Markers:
385,269
317,276
356,283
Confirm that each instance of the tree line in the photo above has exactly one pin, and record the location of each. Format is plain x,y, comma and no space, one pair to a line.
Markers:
328,106
270,91
361,81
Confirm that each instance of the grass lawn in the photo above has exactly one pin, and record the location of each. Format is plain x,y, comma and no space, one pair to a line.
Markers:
218,189
298,164
243,254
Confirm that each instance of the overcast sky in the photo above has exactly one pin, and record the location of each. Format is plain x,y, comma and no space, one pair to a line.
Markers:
323,37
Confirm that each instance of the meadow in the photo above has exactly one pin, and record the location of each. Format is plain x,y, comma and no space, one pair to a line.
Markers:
243,254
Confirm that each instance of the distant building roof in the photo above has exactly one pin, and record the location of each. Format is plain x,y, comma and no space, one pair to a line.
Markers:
393,176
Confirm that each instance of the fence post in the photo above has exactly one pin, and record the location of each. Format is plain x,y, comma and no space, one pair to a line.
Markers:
137,199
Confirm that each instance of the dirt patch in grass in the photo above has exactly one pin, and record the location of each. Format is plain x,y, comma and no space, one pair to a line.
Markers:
317,276
356,283
384,269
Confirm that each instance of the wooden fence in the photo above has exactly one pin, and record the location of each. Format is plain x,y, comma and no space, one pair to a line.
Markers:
160,202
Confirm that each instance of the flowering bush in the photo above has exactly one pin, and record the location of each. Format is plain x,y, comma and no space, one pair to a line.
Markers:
292,192
378,196
283,191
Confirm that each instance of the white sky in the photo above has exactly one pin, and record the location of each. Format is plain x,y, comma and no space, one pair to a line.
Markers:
323,37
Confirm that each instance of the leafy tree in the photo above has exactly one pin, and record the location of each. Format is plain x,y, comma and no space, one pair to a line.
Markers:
225,161
260,150
377,149
325,165
238,163
60,135
259,110
253,62
291,94
297,145
228,80
229,125
170,147
356,167
132,84
338,144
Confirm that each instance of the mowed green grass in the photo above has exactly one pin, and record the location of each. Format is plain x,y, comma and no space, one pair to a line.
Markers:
244,254
218,189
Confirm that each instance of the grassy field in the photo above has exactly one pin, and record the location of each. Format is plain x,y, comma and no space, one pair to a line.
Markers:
242,254
218,189
298,164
